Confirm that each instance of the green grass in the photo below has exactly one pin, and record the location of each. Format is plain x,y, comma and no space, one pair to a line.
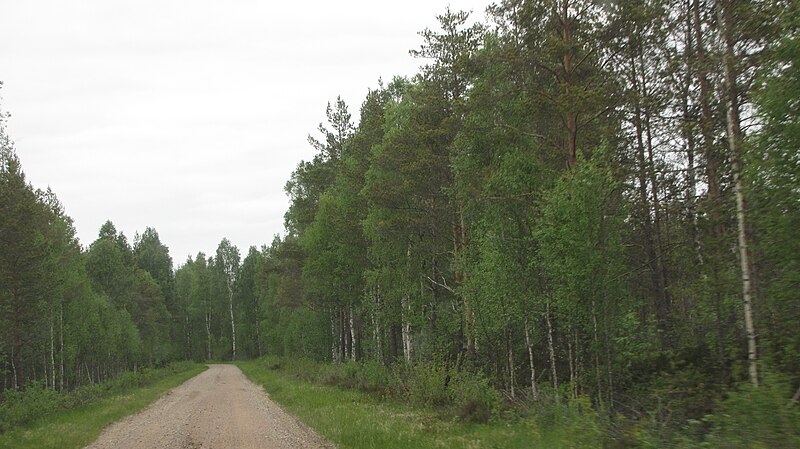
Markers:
354,419
80,426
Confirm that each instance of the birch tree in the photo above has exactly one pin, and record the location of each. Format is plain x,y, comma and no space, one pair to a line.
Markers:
227,262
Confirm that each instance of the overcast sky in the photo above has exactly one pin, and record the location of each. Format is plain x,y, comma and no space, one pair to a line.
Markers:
189,116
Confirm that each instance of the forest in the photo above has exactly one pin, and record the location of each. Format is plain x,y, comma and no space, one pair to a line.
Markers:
576,201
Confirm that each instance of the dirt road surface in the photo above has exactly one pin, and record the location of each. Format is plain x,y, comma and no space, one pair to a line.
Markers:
219,408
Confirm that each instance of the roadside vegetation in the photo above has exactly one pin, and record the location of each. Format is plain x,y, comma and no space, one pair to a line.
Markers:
365,405
37,417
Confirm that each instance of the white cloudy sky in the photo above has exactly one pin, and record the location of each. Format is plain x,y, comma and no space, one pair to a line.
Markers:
189,116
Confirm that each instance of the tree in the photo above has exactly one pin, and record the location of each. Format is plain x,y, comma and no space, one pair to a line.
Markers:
227,263
24,284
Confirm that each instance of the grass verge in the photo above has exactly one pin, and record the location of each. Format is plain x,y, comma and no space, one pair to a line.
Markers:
362,406
77,427
355,419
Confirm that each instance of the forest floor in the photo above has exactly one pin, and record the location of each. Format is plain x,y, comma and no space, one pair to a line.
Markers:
219,408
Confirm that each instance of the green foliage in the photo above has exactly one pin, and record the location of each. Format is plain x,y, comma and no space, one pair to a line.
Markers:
474,398
22,406
37,401
426,385
467,395
774,168
355,419
573,424
756,418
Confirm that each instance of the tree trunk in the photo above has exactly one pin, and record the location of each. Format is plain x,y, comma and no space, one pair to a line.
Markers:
659,308
571,367
344,339
707,120
714,193
469,314
377,325
661,265
534,390
571,137
688,135
406,329
596,351
551,349
233,324
795,398
334,338
353,341
511,370
610,372
14,369
208,335
61,346
52,352
258,335
736,148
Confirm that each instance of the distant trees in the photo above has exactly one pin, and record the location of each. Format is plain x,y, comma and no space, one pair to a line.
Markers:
54,327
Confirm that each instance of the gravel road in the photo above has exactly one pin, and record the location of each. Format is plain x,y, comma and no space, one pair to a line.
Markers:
219,408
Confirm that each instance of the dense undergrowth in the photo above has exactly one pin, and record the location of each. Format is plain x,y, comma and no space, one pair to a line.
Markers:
746,418
464,394
19,407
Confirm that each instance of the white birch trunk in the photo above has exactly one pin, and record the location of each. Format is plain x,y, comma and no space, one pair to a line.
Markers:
596,351
344,335
52,352
406,329
334,337
233,324
352,335
551,349
376,332
736,148
534,391
14,369
61,346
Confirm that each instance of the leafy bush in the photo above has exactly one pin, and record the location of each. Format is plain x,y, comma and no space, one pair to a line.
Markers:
373,377
22,406
475,400
757,418
426,385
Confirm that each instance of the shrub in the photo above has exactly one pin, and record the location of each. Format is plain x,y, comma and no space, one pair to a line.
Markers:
373,377
23,406
426,385
757,418
475,400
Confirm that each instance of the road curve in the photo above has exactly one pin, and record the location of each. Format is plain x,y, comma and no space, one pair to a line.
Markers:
219,408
